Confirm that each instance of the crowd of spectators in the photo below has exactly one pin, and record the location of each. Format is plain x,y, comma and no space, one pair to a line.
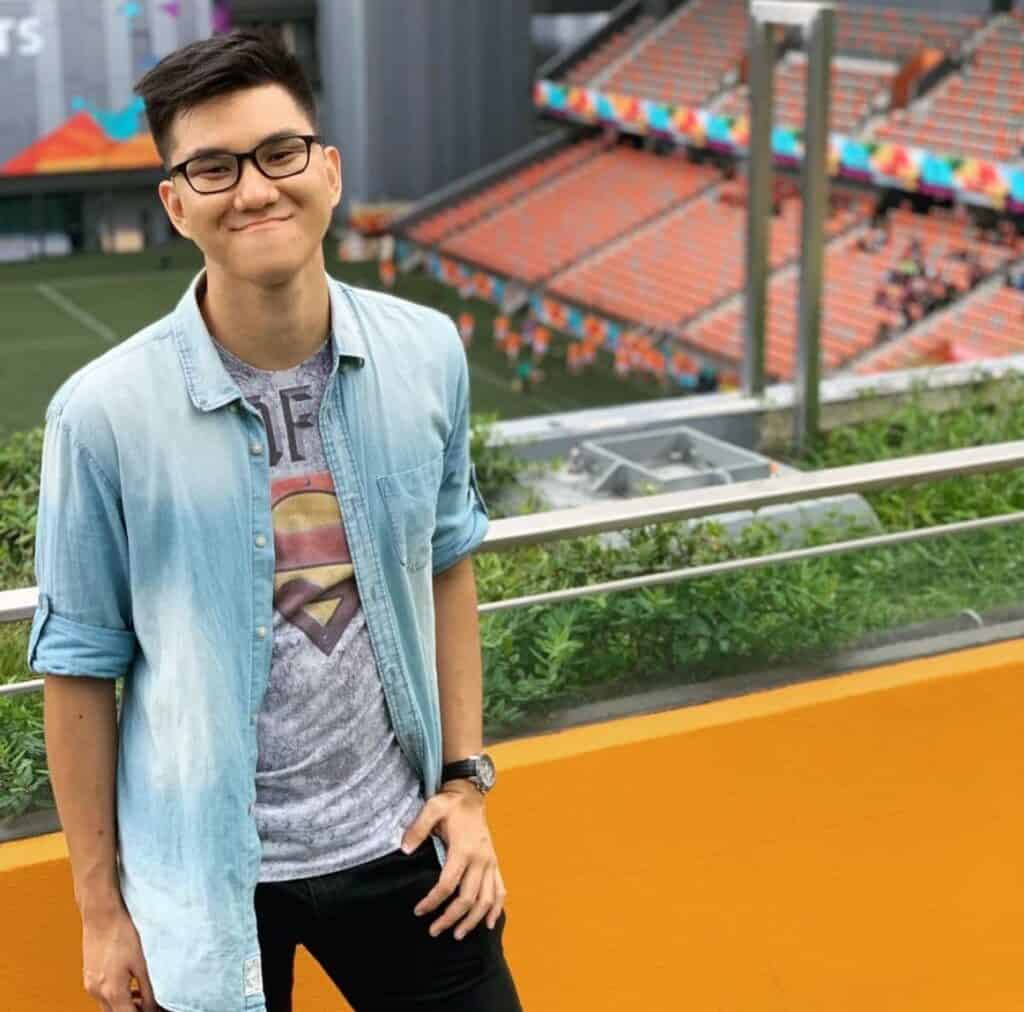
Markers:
916,285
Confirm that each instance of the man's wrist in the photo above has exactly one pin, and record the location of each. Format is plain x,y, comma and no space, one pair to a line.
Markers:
462,785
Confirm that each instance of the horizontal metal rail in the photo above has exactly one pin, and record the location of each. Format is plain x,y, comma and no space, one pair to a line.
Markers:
594,518
755,562
537,528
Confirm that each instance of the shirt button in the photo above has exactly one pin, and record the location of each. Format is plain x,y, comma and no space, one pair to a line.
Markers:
233,406
260,540
256,449
261,631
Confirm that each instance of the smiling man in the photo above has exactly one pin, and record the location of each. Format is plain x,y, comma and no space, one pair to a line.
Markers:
259,512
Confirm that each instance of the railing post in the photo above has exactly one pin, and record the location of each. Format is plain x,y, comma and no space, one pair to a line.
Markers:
820,37
759,192
817,21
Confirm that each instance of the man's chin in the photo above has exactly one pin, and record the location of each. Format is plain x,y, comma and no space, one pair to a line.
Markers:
270,271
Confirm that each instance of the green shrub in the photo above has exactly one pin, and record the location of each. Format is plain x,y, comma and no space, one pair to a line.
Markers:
538,657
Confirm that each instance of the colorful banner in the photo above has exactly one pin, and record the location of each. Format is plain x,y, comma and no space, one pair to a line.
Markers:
877,161
577,322
469,281
633,350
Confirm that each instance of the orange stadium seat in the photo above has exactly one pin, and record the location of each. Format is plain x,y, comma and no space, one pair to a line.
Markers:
979,114
850,318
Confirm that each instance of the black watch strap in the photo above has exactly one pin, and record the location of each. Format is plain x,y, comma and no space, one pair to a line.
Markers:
458,770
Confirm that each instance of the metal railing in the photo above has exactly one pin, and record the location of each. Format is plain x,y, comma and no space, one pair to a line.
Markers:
594,518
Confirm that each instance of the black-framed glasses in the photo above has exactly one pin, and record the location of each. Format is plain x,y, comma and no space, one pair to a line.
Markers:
276,158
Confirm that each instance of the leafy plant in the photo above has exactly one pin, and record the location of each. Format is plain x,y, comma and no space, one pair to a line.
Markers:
540,657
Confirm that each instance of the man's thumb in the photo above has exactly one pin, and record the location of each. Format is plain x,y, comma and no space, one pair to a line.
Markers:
418,831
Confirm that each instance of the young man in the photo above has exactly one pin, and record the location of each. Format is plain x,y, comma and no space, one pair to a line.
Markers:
259,510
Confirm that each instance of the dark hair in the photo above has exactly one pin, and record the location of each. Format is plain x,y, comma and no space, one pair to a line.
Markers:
244,58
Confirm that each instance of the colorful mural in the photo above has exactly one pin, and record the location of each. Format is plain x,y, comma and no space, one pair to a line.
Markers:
912,169
94,136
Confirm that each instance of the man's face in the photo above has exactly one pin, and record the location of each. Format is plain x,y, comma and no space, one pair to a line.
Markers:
221,224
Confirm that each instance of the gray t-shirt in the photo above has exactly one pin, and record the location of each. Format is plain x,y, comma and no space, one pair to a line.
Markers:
333,787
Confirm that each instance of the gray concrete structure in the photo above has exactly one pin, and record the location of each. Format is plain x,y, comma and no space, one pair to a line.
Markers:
417,95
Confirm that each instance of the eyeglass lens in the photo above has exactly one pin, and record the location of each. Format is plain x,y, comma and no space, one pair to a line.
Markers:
285,157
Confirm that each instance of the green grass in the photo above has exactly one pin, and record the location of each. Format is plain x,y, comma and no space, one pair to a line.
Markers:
43,339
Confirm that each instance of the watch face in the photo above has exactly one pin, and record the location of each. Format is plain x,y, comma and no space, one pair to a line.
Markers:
486,771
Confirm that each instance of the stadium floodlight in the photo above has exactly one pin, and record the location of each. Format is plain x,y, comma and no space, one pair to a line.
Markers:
817,21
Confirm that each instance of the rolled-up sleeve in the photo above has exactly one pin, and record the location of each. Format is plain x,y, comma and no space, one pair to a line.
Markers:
462,516
82,622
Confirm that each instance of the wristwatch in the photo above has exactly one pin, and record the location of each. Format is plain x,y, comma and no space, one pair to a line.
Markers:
477,768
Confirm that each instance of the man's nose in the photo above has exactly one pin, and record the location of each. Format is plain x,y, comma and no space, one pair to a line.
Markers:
253,189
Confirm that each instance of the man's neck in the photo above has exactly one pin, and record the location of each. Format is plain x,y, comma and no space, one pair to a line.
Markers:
270,328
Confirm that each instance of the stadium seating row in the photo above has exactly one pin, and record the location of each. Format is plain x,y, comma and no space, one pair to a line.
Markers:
988,325
853,92
593,203
609,51
979,113
893,34
516,185
686,58
686,261
851,318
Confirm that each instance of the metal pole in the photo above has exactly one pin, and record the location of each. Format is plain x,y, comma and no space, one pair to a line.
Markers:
819,34
759,193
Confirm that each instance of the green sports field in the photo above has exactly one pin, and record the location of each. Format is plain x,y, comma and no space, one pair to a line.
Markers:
57,314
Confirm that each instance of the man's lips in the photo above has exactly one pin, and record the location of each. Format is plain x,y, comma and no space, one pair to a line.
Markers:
257,224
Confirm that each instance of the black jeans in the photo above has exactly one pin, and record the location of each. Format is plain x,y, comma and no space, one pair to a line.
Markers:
359,925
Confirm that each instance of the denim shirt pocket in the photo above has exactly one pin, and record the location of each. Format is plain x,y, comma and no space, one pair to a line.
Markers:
410,498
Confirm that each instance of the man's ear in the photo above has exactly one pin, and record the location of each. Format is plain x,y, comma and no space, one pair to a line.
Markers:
332,159
172,205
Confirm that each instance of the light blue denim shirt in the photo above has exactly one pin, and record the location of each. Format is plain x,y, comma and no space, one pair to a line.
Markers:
154,558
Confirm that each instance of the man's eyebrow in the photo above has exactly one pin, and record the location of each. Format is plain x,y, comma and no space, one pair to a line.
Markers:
275,136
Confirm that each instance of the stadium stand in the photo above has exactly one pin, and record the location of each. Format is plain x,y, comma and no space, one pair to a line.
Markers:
854,89
474,207
987,324
685,60
853,318
656,241
979,113
594,202
887,33
584,72
688,260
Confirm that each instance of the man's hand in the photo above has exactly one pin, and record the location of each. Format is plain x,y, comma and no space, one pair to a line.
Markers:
457,812
112,957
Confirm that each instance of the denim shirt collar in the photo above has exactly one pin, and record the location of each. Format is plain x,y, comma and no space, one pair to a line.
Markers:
209,384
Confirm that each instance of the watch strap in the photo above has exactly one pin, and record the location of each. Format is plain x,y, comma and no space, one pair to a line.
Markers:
458,770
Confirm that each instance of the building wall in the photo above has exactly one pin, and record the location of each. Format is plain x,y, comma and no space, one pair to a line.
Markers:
56,54
125,221
417,95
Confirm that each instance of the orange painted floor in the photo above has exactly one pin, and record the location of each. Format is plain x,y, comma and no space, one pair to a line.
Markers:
852,843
